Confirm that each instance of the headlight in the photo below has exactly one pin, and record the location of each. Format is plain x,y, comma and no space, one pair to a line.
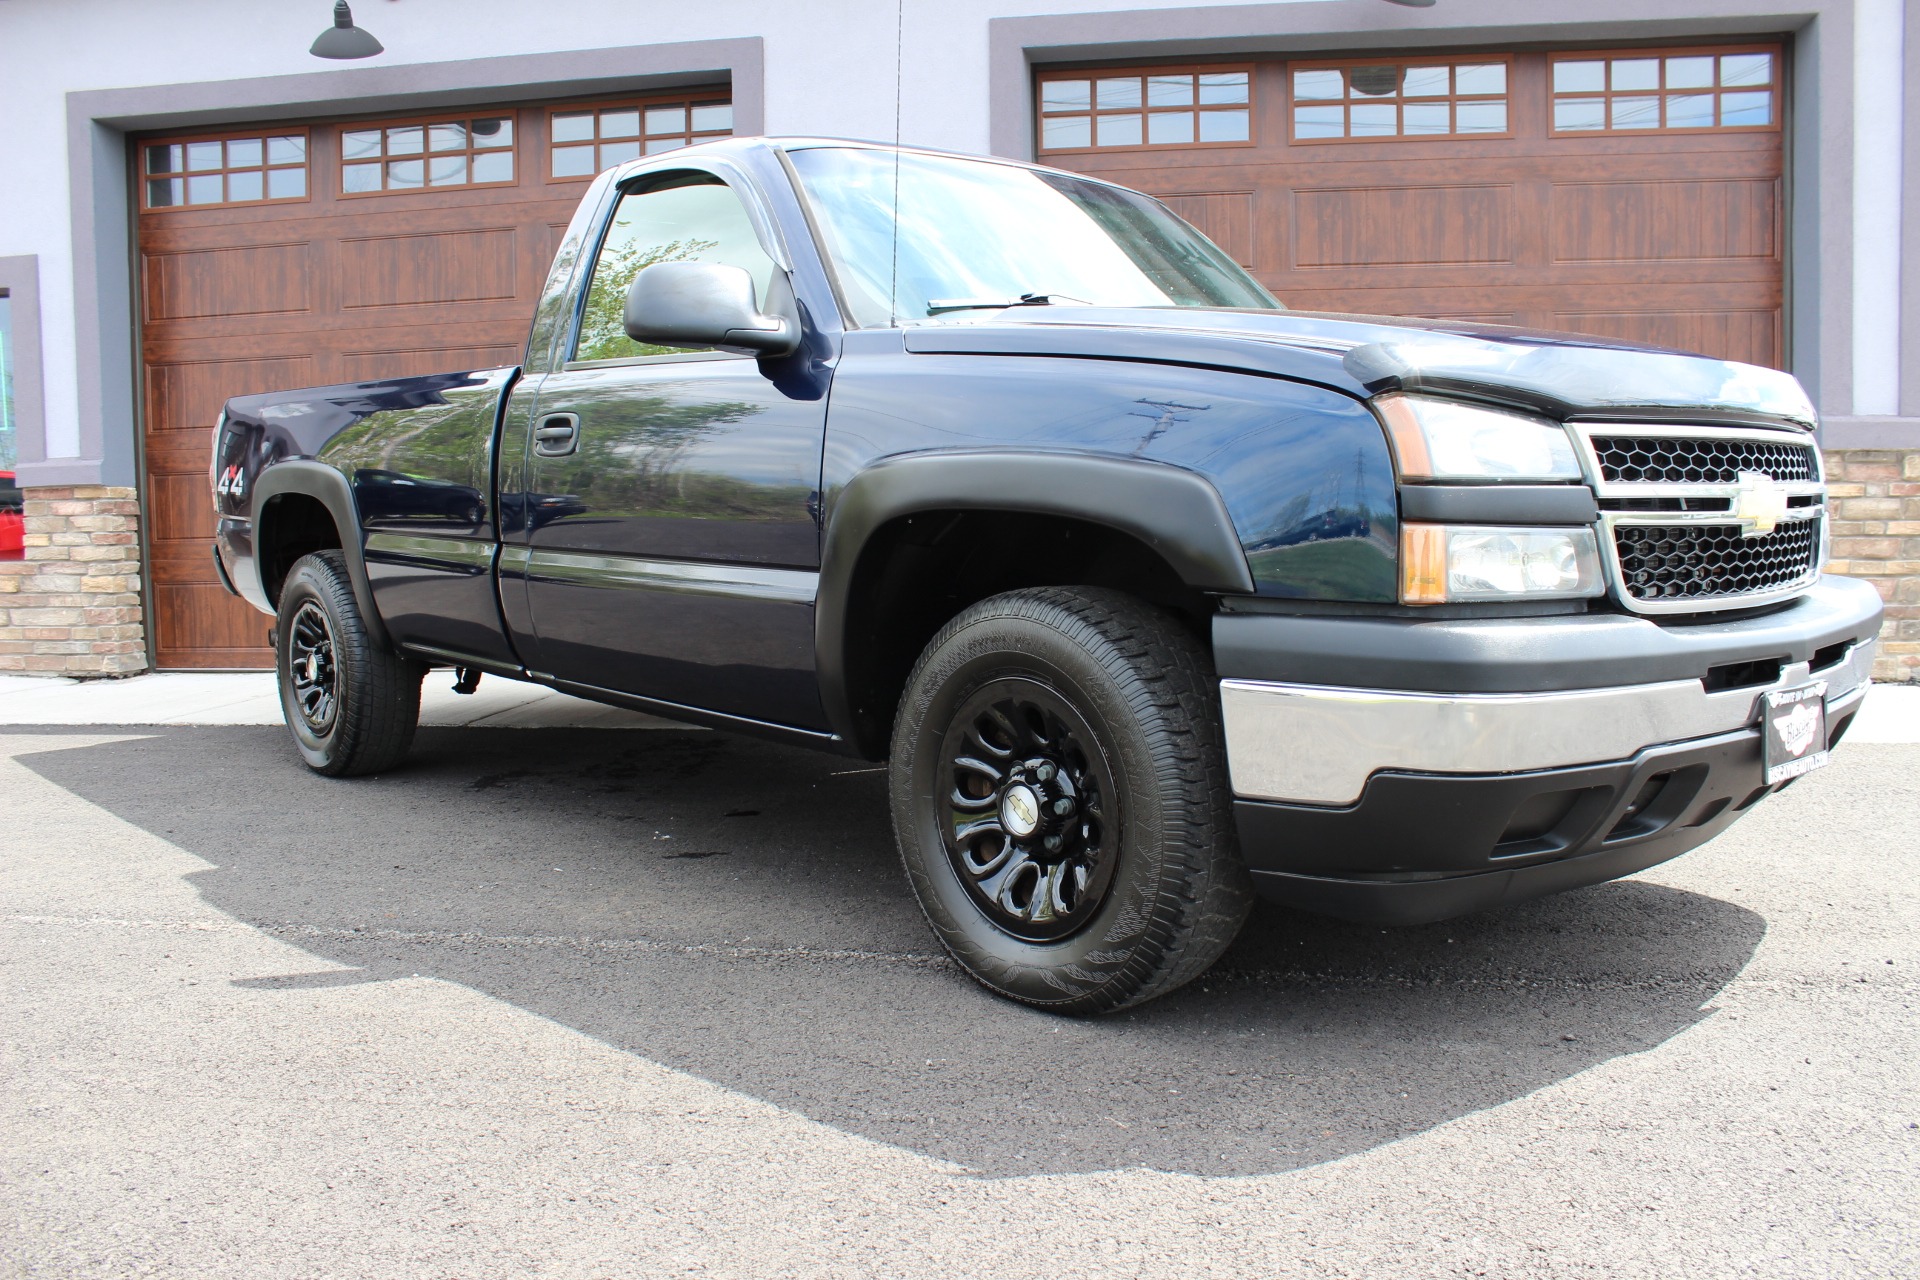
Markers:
1445,564
1448,440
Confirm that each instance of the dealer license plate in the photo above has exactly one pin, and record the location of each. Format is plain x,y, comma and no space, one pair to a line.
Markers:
1794,731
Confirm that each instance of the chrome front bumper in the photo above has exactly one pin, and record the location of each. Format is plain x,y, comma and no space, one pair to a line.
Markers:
1318,744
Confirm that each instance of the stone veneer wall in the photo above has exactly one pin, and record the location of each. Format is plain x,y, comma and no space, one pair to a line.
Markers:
72,607
1875,495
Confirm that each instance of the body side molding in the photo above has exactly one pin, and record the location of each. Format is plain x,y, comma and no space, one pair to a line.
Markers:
1177,513
323,483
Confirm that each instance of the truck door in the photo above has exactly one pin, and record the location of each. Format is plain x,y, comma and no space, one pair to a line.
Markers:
671,549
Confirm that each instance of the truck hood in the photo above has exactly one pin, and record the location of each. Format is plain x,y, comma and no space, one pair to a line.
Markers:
1563,374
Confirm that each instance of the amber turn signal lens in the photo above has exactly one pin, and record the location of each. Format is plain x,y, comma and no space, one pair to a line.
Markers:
1423,564
1409,438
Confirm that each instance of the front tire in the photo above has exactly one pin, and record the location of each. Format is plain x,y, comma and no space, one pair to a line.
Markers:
351,706
1060,800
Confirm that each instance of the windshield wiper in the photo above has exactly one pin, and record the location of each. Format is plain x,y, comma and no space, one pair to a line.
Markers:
940,306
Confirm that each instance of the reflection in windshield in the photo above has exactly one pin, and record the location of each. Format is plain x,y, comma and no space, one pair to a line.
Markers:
977,230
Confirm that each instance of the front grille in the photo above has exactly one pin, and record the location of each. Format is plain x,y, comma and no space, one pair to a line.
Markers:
1698,460
1710,561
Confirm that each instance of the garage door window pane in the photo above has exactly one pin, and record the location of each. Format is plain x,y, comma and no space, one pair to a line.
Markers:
360,145
1119,131
1389,99
1480,117
1167,127
492,166
1319,122
1171,91
1225,126
1579,77
1746,109
1643,94
1066,95
1070,131
1480,80
202,172
1319,85
1579,114
1630,74
1427,117
1689,73
246,187
1743,69
577,127
457,153
627,131
1690,111
574,162
1635,113
1223,88
1374,119
1152,108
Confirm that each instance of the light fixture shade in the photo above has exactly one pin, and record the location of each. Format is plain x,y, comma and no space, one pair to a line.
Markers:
1414,4
343,39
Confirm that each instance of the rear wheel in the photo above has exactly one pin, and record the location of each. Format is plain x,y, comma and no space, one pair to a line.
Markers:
352,707
1060,800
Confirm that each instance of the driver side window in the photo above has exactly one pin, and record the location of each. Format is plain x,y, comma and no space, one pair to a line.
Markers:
686,217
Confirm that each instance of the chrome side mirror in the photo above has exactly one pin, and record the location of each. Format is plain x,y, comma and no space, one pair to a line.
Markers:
705,304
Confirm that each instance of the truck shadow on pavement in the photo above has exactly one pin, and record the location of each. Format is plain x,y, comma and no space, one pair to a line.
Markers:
735,910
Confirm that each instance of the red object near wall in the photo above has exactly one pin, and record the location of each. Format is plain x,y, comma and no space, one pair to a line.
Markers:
13,524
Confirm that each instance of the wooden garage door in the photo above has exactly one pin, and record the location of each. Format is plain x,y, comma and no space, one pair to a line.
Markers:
1631,193
293,255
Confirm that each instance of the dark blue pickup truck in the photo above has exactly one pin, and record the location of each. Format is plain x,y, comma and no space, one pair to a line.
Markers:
1153,594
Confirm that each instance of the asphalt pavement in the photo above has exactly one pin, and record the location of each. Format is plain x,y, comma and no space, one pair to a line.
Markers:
599,1003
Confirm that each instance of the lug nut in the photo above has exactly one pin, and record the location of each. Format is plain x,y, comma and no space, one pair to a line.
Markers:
1045,772
1053,844
1063,806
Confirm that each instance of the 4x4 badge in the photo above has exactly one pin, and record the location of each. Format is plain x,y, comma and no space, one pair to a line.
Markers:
1761,504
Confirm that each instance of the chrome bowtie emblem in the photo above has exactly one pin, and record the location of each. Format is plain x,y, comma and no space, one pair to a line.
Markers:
1020,812
1760,505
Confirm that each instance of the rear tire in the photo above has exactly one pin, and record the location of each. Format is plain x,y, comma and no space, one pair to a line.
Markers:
351,706
1061,802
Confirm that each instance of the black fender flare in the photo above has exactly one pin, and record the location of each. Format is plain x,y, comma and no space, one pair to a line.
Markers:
1176,512
329,487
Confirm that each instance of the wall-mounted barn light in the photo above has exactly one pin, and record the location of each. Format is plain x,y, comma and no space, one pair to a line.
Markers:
344,40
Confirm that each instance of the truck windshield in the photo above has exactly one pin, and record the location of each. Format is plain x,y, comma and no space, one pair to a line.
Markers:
974,235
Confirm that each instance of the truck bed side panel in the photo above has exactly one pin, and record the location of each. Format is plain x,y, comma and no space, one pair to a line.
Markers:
417,455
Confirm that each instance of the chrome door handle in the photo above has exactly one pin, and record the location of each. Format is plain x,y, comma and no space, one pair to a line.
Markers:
557,435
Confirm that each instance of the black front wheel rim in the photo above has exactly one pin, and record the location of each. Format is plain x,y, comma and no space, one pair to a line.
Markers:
1028,810
311,668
